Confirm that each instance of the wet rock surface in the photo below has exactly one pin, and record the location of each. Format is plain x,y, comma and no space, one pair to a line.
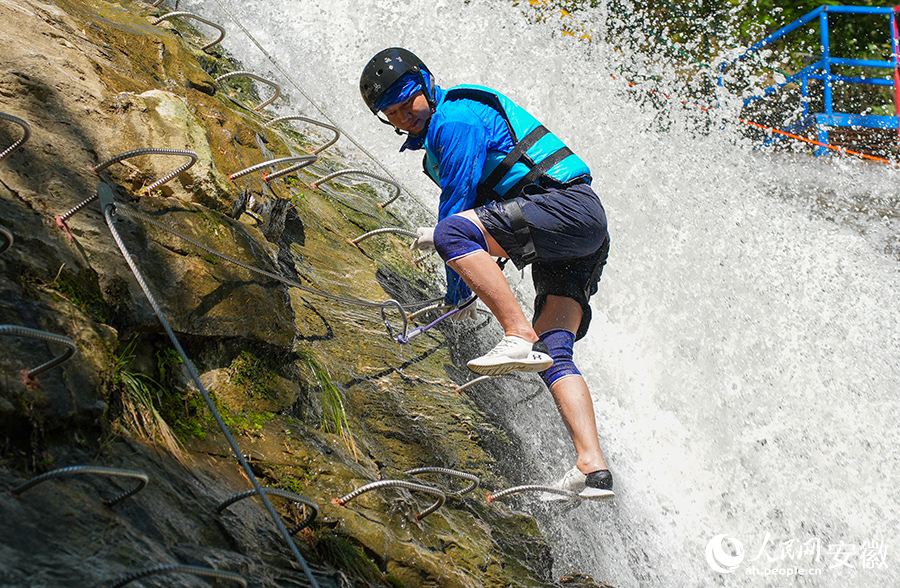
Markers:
319,398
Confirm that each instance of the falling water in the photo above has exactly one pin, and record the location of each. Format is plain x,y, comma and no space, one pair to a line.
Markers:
744,356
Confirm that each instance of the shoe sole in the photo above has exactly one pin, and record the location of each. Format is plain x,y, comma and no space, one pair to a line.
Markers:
511,365
588,493
596,493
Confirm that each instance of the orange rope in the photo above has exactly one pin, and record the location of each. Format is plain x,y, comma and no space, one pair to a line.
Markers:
818,143
786,134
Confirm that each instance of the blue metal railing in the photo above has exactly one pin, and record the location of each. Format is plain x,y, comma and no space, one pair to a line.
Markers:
822,70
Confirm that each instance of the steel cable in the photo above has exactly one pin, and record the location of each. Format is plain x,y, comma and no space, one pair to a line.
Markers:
363,172
108,212
313,102
82,469
391,303
313,506
151,151
178,568
462,387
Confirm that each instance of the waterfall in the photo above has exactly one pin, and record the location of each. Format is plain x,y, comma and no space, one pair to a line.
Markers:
744,356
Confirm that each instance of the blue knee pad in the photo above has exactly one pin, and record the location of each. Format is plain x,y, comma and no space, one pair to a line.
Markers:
456,236
560,343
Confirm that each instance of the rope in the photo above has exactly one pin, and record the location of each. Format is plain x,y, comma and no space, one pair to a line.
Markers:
108,213
782,133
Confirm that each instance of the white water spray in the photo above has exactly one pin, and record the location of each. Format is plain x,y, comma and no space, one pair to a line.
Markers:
745,352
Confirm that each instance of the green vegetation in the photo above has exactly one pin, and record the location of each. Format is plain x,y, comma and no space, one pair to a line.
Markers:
344,554
138,396
83,290
256,375
334,415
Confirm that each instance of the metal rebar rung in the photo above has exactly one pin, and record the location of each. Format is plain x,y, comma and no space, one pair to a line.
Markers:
72,470
303,160
399,484
314,507
7,234
449,472
28,376
337,132
532,488
195,17
363,172
177,568
399,231
258,79
150,151
27,133
481,379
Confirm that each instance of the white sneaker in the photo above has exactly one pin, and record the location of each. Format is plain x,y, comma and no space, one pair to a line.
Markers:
594,485
512,354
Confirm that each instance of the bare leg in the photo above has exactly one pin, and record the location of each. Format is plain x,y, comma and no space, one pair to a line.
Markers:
479,271
571,394
573,399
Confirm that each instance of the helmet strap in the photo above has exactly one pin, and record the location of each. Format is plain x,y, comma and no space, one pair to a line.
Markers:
428,90
387,122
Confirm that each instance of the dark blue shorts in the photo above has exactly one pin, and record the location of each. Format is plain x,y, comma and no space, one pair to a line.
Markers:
568,228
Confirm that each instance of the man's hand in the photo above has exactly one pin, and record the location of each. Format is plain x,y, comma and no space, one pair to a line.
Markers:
424,239
467,313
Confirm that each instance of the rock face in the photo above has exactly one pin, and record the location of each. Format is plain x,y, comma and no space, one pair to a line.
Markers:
320,399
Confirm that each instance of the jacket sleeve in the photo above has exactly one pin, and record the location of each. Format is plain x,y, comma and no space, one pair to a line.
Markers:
460,144
461,147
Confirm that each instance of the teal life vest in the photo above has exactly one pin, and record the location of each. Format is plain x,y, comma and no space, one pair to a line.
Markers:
537,157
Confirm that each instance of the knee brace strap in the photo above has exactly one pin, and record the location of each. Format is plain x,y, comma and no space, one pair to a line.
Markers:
456,236
560,343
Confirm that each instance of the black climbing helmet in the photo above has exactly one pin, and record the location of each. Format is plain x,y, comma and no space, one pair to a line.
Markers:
386,68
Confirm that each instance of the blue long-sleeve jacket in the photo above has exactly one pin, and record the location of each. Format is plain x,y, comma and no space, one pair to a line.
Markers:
467,138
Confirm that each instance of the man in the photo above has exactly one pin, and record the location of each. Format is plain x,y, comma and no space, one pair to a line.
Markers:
510,189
